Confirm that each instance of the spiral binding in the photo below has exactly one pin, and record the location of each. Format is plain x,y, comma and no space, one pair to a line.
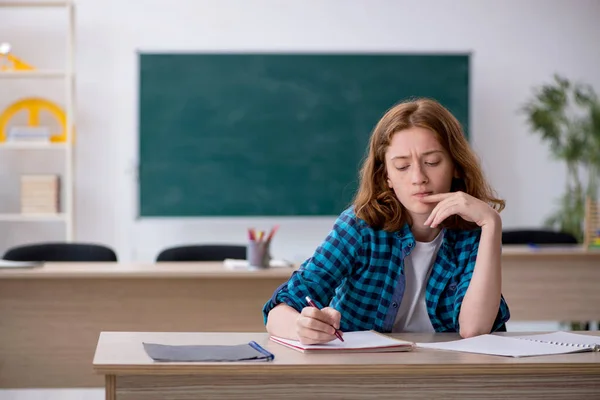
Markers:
593,347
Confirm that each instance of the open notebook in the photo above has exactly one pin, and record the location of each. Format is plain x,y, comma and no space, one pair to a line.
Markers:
20,264
354,342
521,346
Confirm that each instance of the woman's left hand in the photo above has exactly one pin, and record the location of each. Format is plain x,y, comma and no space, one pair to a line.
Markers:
459,203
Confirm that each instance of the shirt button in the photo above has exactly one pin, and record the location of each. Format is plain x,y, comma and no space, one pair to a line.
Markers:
395,305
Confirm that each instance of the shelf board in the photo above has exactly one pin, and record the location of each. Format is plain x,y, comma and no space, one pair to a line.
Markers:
32,217
32,146
17,4
34,74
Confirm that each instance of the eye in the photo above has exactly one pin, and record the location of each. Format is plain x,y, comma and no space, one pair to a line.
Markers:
432,164
404,168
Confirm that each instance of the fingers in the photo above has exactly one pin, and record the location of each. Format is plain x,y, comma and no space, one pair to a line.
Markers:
314,326
445,200
440,206
434,198
460,204
333,317
308,335
444,213
431,216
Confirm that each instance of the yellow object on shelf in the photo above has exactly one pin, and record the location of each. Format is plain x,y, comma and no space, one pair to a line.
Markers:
592,224
10,62
34,106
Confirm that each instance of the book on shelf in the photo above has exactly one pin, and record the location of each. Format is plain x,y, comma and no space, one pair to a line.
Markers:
40,194
29,134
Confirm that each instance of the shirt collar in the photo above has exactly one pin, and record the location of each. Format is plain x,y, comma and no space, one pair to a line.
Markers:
407,239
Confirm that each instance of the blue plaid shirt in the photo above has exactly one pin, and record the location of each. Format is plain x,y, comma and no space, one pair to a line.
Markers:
359,271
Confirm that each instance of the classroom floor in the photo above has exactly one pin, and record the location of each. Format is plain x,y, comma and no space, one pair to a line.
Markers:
98,394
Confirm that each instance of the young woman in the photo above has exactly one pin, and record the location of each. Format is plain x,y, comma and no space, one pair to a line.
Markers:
419,249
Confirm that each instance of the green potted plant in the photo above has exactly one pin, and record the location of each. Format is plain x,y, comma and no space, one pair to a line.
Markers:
567,116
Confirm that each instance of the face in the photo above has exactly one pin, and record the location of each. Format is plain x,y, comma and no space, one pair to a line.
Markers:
417,166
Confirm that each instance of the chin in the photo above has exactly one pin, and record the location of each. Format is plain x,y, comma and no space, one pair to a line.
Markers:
421,208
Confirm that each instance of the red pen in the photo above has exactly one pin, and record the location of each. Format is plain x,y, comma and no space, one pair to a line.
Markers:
312,304
273,231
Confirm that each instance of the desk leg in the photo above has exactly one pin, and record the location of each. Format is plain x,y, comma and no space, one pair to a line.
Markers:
111,387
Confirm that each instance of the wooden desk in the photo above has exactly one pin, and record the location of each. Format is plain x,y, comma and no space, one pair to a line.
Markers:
553,284
51,317
424,374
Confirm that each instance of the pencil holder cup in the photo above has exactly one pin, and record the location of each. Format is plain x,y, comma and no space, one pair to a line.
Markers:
258,255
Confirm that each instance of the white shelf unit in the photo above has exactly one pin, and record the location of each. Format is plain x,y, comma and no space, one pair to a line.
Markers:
36,4
67,213
48,74
32,146
33,217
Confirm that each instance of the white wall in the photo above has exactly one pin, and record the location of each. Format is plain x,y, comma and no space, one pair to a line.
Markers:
515,45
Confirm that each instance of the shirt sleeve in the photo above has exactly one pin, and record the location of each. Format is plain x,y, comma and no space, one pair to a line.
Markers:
320,275
503,312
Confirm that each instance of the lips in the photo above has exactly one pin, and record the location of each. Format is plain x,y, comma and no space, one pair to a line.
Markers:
422,194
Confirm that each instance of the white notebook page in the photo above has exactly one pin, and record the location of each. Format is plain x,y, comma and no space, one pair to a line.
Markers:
352,340
501,346
19,264
564,337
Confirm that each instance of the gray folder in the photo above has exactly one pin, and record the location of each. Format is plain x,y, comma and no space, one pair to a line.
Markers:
195,353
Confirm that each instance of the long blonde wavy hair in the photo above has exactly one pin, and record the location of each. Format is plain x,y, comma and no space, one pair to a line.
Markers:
378,205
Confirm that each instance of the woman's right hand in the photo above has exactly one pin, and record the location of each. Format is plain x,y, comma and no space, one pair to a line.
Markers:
315,326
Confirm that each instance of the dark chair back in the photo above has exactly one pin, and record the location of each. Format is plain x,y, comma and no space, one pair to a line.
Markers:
207,252
532,236
61,252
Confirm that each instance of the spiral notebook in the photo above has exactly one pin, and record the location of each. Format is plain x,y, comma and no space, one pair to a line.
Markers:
354,342
521,346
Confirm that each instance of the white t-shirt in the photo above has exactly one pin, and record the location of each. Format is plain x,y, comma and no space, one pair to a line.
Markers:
412,315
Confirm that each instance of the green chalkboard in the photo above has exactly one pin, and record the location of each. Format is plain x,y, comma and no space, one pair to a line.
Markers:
272,134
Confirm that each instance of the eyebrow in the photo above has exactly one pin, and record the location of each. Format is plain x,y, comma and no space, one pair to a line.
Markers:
423,154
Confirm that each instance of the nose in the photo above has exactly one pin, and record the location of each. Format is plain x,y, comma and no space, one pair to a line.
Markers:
418,175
